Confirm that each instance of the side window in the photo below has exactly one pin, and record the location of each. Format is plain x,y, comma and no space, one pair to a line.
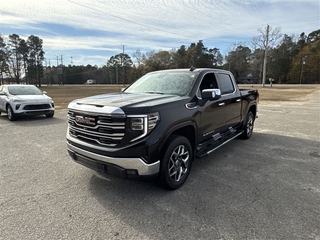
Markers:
208,82
225,83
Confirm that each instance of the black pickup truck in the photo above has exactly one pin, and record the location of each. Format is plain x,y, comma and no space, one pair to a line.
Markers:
157,126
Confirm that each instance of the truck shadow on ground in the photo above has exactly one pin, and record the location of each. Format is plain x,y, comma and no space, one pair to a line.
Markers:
244,185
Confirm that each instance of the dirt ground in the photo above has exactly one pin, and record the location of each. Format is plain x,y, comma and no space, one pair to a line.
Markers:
62,95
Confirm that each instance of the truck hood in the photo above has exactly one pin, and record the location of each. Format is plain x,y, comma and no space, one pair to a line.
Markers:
120,103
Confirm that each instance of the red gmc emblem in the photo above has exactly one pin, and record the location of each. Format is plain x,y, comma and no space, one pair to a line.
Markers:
85,120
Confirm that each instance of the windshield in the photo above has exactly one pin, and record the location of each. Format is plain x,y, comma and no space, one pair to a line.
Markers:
173,83
24,90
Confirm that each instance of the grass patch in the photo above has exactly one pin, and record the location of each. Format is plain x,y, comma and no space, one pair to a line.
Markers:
284,93
63,95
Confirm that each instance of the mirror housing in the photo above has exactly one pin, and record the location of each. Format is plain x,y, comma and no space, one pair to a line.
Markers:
211,94
2,93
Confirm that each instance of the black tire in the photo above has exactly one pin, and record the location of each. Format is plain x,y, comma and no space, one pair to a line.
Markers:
176,163
248,126
50,115
10,114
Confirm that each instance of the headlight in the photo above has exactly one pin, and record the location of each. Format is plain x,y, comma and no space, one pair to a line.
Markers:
143,123
137,123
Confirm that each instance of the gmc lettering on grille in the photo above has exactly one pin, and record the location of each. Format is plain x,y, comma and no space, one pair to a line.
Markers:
85,120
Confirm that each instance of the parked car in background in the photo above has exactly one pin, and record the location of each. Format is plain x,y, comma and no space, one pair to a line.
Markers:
91,81
16,99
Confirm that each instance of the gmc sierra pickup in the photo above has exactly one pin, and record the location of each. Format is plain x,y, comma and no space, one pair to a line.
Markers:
158,125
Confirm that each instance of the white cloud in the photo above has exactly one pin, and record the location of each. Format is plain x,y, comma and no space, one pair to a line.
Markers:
104,25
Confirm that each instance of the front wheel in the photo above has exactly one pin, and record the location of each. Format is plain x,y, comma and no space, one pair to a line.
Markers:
248,126
176,163
11,115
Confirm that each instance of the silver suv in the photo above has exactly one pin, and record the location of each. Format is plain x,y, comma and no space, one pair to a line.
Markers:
19,99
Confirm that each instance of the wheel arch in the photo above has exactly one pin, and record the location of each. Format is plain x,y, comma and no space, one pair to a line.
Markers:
251,108
8,104
186,129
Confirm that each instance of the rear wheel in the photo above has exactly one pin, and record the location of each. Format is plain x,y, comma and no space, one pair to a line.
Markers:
11,115
248,126
176,163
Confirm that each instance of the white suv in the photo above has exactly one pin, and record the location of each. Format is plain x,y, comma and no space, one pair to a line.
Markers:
16,99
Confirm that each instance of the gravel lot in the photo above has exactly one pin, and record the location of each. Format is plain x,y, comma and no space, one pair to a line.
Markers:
267,187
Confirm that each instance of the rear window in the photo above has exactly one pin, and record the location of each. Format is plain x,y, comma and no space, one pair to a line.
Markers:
225,83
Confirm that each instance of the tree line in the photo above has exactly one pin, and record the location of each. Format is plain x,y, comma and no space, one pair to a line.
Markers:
288,60
21,58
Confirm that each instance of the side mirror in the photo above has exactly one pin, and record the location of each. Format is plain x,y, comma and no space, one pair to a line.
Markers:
2,93
211,94
44,92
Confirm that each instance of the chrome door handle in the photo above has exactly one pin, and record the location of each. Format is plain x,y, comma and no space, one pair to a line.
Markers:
221,104
238,100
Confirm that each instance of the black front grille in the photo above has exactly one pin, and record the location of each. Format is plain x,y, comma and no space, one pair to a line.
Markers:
36,106
97,129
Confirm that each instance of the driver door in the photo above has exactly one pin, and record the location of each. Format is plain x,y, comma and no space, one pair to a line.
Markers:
213,112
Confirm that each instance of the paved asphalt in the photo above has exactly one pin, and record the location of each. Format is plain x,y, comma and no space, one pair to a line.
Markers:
267,187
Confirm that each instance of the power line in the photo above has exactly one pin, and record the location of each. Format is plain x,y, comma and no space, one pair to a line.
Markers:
232,30
124,19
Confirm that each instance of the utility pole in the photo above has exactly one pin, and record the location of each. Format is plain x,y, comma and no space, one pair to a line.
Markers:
60,70
117,80
123,67
50,73
265,58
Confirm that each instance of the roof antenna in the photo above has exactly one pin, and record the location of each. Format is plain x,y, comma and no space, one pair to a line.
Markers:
192,69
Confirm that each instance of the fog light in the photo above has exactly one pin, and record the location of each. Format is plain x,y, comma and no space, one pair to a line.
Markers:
72,155
132,172
18,106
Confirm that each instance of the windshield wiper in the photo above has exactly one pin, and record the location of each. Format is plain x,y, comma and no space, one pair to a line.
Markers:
154,92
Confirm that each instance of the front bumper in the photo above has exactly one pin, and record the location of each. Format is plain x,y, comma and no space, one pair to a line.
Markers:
35,113
32,107
132,168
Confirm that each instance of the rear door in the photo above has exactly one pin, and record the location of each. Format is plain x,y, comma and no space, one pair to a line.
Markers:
230,98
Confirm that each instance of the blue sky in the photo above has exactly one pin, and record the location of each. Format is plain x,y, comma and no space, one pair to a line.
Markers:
90,32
